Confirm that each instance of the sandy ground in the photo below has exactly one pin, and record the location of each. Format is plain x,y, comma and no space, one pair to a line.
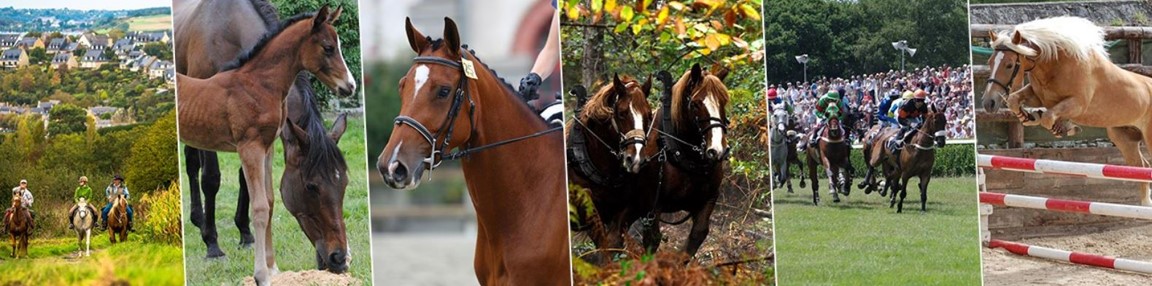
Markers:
309,277
423,259
1004,268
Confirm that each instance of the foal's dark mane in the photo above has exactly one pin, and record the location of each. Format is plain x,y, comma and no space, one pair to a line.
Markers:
260,45
437,43
322,154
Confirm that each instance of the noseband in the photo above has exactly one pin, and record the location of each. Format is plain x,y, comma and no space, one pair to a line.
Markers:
454,112
1015,71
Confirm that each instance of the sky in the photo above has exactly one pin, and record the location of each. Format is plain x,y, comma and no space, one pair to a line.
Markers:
86,4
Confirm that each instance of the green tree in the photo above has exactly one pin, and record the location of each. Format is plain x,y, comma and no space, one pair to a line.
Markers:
79,52
160,50
69,151
66,119
38,56
152,162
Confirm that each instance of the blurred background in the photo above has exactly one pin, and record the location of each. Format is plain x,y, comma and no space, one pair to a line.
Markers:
427,235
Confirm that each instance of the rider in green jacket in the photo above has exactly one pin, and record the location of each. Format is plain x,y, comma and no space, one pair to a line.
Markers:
83,191
823,111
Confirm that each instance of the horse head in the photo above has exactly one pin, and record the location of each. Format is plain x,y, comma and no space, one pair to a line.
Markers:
834,130
936,124
624,105
1008,63
701,98
315,179
321,54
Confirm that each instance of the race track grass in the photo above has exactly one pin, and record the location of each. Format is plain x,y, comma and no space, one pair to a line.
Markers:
294,252
860,241
51,262
150,23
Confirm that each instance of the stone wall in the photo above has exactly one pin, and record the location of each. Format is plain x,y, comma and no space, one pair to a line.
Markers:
1123,12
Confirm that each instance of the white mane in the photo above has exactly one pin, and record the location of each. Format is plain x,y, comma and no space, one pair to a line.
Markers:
1077,36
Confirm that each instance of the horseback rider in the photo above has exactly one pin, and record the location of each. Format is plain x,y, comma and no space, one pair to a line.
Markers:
83,191
910,116
822,113
25,199
882,113
545,63
116,188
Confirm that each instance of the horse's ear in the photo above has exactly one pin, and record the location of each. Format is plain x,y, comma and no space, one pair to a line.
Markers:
618,88
320,19
696,72
452,37
991,36
647,87
338,127
1017,38
415,39
335,15
293,134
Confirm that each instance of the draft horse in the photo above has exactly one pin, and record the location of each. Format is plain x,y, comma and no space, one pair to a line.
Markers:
241,109
513,162
832,152
19,226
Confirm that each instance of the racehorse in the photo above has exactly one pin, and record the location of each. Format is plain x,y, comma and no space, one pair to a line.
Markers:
779,147
832,151
118,219
693,124
513,162
19,227
607,146
322,221
1072,78
876,152
83,222
241,109
916,159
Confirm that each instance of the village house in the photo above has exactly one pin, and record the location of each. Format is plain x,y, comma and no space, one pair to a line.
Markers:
158,68
56,45
64,59
94,41
29,43
14,58
149,37
122,47
93,59
9,40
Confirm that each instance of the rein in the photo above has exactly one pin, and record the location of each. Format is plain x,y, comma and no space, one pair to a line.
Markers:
453,112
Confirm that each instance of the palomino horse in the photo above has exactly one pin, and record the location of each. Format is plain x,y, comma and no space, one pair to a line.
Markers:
220,42
83,222
607,148
693,124
118,219
19,227
513,163
916,159
832,151
1073,79
782,148
241,109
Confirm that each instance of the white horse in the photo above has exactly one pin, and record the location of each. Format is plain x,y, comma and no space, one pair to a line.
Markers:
84,220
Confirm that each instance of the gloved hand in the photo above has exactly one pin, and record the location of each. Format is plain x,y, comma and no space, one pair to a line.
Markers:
528,86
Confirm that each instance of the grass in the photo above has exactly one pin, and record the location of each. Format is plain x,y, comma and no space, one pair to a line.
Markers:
294,252
136,262
860,241
150,23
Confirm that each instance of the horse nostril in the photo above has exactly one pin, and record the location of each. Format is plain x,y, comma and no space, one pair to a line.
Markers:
337,257
713,154
399,172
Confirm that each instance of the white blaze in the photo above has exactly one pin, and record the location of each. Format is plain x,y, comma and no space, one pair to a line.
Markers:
996,64
347,72
637,124
420,78
717,134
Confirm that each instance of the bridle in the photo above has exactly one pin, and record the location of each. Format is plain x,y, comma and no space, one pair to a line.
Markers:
447,127
634,136
1015,70
703,126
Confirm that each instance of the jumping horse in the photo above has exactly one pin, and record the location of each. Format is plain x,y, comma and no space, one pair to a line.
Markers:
693,122
606,146
1073,80
118,219
241,109
19,227
513,162
205,45
832,152
916,159
83,222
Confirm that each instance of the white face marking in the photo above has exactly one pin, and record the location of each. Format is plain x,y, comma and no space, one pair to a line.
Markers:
392,166
996,63
420,78
347,72
637,124
714,111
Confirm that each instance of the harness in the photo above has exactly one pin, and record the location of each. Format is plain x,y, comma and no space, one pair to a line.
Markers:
677,148
446,128
580,161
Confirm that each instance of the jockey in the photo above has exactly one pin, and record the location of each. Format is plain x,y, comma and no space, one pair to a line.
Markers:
911,114
882,113
117,187
894,110
774,98
25,198
822,113
83,191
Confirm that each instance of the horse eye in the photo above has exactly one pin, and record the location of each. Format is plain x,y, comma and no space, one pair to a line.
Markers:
443,92
329,50
312,187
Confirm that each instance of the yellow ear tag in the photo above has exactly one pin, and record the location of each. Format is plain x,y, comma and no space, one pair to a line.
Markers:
469,68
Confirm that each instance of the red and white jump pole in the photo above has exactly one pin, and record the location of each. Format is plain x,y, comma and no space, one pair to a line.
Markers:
1090,170
1105,209
1073,257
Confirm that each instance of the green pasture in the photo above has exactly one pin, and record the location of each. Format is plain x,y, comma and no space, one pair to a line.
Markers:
294,252
53,261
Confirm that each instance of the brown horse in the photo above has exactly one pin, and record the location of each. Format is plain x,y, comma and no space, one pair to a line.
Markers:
607,146
693,124
513,163
19,227
118,219
832,152
876,153
916,159
1073,79
241,109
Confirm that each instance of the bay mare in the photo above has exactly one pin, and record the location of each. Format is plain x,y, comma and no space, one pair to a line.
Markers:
241,109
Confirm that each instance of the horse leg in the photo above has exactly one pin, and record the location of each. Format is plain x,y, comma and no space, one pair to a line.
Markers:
903,192
241,217
270,255
1013,102
1056,119
925,177
211,186
1127,140
833,182
252,156
192,168
812,176
700,222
